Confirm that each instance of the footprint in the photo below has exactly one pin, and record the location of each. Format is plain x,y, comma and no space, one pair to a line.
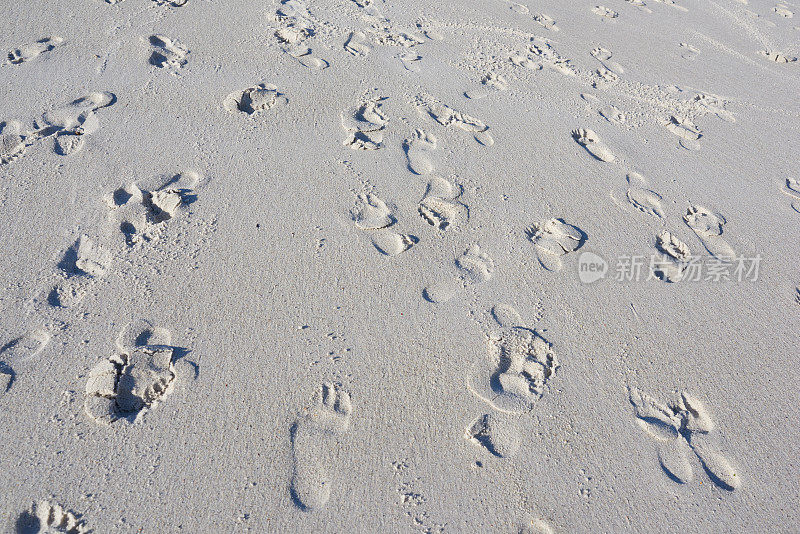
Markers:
141,215
296,27
371,213
417,149
688,51
536,526
687,132
474,267
783,11
364,126
314,436
542,54
392,244
440,206
506,316
672,3
18,351
14,141
679,429
133,380
515,371
254,100
83,264
645,200
546,22
778,57
47,517
709,228
356,44
605,77
491,83
605,13
449,117
792,189
640,5
604,55
674,259
591,142
31,51
613,114
409,61
167,53
496,433
73,122
517,8
555,238
715,105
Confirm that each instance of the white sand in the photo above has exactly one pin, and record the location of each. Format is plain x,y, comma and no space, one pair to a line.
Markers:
296,267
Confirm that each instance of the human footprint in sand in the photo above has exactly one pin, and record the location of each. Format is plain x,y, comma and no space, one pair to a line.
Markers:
510,378
314,436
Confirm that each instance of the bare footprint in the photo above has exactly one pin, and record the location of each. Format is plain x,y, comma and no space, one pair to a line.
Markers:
46,517
535,525
417,149
371,213
254,100
640,5
686,131
515,371
314,436
364,125
679,429
553,239
496,432
441,207
603,55
167,53
449,117
675,257
356,44
783,10
688,51
792,189
473,267
296,28
541,54
135,379
83,264
73,122
709,227
24,348
409,61
14,141
605,13
645,200
545,22
18,351
491,83
778,57
392,243
613,114
31,51
593,145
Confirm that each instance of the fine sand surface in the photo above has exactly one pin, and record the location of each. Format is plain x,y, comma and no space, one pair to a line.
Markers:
399,266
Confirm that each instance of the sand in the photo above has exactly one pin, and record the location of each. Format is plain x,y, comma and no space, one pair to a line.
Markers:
365,266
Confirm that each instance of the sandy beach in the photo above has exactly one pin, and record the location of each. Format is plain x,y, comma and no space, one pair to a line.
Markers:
396,266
